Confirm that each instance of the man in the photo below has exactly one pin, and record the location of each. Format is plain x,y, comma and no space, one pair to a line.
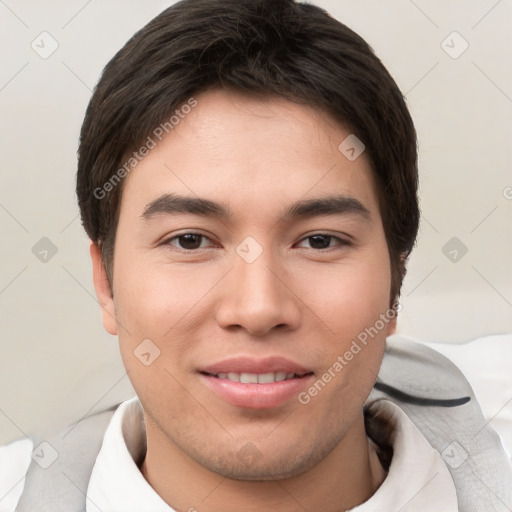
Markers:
247,175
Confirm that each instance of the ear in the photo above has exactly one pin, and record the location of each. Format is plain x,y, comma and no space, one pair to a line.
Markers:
394,309
103,291
392,325
395,304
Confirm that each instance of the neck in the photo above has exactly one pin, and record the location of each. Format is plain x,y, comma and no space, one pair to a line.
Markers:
348,476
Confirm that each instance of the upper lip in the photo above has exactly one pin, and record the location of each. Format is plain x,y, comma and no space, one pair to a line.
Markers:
255,365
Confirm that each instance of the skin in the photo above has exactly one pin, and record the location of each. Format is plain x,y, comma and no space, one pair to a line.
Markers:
295,300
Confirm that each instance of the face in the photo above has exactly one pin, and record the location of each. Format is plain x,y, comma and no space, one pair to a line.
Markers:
263,292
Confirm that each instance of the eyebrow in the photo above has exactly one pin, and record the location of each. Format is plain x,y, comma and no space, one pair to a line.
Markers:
169,204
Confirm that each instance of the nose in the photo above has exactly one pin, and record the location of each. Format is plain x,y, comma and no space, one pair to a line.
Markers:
258,296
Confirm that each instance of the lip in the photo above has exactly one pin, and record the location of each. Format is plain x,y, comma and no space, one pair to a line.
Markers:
253,365
256,396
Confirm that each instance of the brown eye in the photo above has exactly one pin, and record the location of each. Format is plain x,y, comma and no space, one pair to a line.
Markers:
190,241
323,241
187,241
320,241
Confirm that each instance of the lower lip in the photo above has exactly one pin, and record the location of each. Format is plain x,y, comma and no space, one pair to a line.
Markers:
256,396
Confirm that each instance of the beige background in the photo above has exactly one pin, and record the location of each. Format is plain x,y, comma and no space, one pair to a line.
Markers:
58,364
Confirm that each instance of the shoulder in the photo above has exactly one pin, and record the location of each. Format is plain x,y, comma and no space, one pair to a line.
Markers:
32,472
15,459
438,399
419,370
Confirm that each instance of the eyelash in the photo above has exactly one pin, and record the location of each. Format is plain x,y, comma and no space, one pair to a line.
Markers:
341,242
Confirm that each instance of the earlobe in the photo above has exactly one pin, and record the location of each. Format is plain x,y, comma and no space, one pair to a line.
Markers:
392,326
392,315
103,291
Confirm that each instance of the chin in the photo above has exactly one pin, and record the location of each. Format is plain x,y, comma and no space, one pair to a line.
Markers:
251,464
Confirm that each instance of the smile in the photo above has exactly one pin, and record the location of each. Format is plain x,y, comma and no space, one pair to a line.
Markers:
254,383
257,378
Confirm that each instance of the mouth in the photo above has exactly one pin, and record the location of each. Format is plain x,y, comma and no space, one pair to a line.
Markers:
257,378
256,384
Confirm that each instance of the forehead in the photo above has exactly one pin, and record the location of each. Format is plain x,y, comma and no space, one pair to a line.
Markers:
253,153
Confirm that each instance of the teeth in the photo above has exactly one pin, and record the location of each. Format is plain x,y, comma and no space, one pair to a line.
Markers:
249,378
264,378
280,376
256,378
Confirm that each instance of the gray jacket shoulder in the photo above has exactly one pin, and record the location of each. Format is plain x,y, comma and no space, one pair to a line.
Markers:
439,400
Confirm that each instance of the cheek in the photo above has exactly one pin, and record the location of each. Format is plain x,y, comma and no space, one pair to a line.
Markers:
361,319
151,298
357,314
151,307
349,297
167,304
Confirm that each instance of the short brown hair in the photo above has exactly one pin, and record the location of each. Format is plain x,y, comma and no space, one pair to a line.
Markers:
277,47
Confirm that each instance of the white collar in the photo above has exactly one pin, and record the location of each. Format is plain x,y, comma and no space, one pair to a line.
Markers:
418,479
116,483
